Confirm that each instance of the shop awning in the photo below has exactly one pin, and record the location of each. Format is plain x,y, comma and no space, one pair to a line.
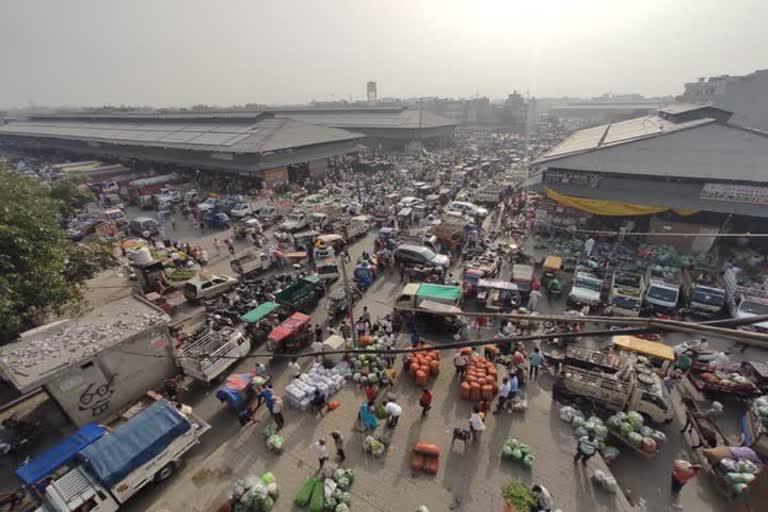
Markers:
610,208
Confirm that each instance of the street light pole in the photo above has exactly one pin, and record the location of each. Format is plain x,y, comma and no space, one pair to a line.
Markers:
348,296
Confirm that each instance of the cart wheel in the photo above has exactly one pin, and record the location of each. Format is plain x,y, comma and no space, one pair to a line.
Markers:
165,473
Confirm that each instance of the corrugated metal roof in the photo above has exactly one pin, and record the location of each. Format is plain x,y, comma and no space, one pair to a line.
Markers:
613,134
369,118
710,151
253,134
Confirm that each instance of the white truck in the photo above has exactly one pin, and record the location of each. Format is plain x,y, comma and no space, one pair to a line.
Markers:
294,222
703,293
98,470
209,353
586,288
626,295
622,391
251,262
745,302
242,210
663,291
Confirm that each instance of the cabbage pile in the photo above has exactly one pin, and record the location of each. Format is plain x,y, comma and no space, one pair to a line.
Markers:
369,368
739,474
629,426
516,451
255,494
761,406
340,498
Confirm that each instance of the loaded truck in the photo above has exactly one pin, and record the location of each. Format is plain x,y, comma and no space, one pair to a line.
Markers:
745,302
428,299
98,469
353,230
626,295
294,222
208,353
663,291
489,195
301,295
641,392
251,262
703,293
586,288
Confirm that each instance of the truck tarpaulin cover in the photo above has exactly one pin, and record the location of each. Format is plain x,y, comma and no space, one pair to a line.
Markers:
134,443
59,455
436,291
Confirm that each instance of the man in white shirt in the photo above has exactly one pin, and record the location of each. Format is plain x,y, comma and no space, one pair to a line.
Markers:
533,299
317,347
476,424
321,451
460,362
504,391
394,411
294,368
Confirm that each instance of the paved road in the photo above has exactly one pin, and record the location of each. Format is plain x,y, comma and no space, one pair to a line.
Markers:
468,482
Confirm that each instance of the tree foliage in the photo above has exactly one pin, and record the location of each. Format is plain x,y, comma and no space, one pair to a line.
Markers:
71,197
41,270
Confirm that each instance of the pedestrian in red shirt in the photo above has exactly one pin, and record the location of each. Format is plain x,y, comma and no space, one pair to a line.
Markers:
371,392
682,471
425,401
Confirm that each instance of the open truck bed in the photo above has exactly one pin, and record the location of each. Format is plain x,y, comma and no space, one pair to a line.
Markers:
209,354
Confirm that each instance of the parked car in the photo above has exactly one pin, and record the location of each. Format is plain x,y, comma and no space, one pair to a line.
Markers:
241,210
468,208
207,205
420,255
409,202
199,288
144,226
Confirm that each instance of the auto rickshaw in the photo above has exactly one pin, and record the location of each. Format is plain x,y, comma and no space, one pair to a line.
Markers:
239,389
497,294
258,321
290,335
549,280
337,302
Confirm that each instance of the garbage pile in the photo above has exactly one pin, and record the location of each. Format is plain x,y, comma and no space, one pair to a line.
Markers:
300,391
480,378
255,494
329,494
424,364
516,451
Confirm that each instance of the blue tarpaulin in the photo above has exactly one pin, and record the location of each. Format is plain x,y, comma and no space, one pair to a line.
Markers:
134,443
60,455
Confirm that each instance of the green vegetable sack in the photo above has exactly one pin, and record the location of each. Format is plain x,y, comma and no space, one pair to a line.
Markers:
317,501
305,492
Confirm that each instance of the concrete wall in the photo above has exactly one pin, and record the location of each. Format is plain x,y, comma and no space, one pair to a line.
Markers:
99,389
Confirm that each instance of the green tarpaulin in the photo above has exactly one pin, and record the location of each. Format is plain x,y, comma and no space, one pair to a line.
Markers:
438,292
259,312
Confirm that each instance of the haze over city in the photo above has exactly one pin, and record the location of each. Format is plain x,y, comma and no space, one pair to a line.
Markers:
174,53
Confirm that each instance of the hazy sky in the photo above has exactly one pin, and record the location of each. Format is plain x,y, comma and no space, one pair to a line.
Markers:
182,52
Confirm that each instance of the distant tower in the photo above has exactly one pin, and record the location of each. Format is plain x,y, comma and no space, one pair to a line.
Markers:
371,92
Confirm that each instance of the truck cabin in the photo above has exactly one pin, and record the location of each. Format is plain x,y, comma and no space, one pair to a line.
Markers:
626,305
706,298
659,356
662,296
327,269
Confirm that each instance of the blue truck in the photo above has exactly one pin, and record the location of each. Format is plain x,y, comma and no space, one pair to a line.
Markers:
99,468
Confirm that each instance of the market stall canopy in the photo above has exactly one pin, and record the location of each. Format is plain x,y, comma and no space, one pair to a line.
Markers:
440,292
259,312
644,347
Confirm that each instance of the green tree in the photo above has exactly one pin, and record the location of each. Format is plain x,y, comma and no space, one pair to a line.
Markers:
70,195
41,270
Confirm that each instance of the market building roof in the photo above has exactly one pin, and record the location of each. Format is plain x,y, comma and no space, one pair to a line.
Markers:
40,354
234,132
368,117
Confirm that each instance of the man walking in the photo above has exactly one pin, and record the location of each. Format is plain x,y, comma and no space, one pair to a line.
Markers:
321,451
338,440
476,424
587,448
682,471
533,299
504,391
277,412
535,360
425,401
217,246
460,362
